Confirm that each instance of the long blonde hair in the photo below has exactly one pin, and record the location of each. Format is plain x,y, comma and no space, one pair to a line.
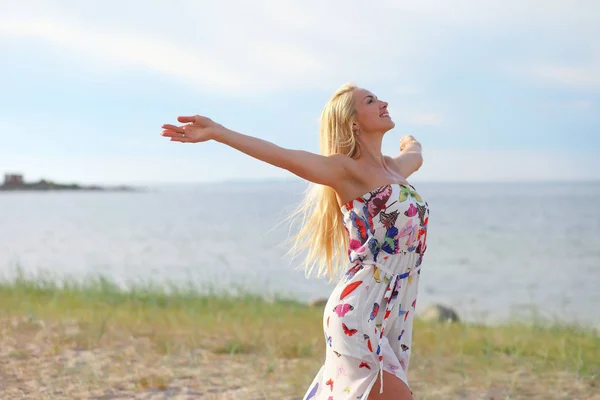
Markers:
322,231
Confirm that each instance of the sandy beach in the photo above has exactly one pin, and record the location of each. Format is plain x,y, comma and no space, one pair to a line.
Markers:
94,341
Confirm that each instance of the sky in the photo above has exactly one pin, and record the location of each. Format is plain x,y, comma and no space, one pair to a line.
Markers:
495,90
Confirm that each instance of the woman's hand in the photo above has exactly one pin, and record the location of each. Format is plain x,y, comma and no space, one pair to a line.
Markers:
409,143
196,129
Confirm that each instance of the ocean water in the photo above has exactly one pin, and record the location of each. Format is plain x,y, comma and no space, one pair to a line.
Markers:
495,250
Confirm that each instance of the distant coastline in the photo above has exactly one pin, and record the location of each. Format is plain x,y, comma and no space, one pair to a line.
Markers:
16,182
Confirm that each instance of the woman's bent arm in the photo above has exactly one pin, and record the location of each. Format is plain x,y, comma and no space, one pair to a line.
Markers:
411,156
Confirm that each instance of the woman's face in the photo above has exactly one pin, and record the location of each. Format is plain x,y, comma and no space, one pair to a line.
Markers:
371,113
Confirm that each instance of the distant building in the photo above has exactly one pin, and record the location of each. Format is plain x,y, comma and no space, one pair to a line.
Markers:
13,179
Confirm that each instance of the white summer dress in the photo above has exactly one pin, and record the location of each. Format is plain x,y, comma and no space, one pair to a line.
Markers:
369,316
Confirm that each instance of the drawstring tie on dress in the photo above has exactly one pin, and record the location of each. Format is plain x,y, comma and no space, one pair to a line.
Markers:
391,296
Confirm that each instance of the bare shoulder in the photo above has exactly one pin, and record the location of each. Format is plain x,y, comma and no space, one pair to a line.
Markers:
347,166
343,160
349,179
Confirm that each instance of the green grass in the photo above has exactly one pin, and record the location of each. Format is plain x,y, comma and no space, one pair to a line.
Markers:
173,316
176,320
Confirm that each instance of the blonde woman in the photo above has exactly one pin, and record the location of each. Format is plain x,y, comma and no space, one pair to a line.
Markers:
362,223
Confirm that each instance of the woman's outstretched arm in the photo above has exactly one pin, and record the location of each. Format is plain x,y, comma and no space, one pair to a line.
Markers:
324,170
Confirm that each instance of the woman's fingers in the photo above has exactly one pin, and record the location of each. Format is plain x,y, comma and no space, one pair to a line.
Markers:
186,119
177,135
173,128
181,139
171,133
197,120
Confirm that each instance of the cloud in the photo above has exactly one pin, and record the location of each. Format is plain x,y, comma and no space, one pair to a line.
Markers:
464,164
116,49
407,90
403,114
261,47
425,119
275,46
569,76
539,34
580,105
580,15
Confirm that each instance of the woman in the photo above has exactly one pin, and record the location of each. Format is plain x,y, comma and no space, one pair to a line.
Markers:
362,208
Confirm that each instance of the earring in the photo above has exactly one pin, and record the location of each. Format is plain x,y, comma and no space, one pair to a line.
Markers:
357,132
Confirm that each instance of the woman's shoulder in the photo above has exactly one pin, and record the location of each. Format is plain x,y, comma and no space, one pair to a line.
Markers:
351,166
